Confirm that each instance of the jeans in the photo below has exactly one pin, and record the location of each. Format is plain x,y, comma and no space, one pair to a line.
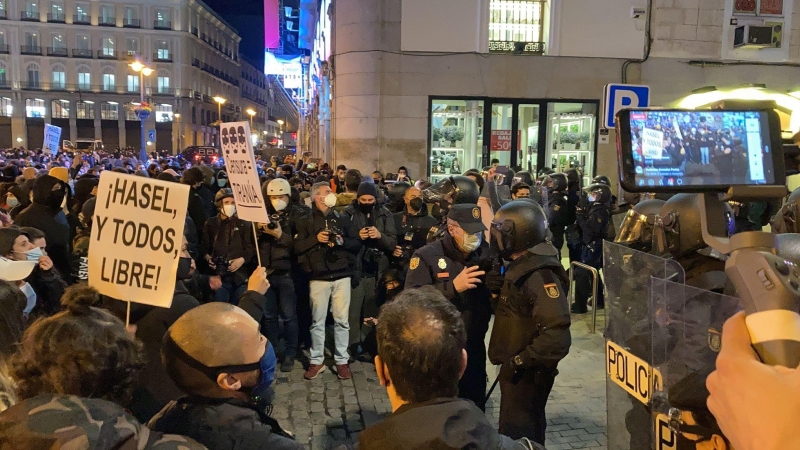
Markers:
283,294
335,294
361,301
229,292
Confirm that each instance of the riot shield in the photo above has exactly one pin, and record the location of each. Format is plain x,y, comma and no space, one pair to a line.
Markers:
630,377
687,336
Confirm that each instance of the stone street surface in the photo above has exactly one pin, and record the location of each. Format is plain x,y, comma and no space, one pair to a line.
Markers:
326,412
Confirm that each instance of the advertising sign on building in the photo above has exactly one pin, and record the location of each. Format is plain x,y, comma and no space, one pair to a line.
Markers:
242,175
52,138
292,76
501,141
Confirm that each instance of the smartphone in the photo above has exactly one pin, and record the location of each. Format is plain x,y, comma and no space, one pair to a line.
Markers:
674,150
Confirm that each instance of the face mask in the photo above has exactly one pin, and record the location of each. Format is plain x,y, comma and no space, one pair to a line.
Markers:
341,177
416,203
279,205
222,182
376,181
330,200
470,242
267,365
366,208
592,198
56,198
229,210
33,254
30,295
184,268
12,202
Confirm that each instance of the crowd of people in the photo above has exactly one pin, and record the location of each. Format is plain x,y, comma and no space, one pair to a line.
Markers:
399,272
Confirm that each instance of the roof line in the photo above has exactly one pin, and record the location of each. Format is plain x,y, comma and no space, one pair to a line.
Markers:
218,16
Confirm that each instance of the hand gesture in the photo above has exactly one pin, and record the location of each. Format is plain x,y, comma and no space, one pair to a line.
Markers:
45,263
236,264
398,252
468,279
274,232
363,233
258,281
373,233
323,237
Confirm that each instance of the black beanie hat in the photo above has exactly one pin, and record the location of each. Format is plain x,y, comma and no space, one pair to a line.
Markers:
367,188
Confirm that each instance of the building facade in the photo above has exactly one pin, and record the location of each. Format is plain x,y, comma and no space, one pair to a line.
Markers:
441,87
66,63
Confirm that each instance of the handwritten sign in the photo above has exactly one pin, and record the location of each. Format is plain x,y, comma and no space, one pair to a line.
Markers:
242,175
52,138
136,238
652,143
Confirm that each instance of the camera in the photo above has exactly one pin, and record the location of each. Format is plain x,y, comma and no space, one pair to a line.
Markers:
274,220
335,235
221,264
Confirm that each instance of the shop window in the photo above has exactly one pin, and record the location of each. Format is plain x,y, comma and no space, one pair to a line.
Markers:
34,107
59,109
6,108
164,113
85,110
456,137
571,137
516,26
109,111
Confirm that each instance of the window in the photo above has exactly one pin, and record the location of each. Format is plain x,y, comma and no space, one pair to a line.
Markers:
56,11
59,78
108,82
162,50
194,114
130,114
58,41
516,25
163,113
84,79
34,107
131,16
59,109
5,107
84,110
82,42
163,85
2,40
132,46
759,7
109,111
3,12
108,46
3,79
162,19
32,40
33,77
107,14
81,13
32,8
133,83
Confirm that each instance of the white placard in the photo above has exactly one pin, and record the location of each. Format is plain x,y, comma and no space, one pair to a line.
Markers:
52,138
242,175
292,76
136,238
652,143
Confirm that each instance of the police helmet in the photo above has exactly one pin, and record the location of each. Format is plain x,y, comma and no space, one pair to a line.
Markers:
456,189
574,177
517,226
221,195
556,182
523,177
680,218
599,193
602,179
279,186
636,230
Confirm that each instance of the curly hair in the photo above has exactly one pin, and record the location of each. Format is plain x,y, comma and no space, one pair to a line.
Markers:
83,350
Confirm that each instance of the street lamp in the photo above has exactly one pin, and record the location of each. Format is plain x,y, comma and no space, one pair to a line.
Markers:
143,71
251,112
280,135
180,131
220,101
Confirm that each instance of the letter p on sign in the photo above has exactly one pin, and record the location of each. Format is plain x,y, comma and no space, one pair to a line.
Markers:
621,96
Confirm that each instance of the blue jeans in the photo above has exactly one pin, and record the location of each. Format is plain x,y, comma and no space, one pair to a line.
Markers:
229,292
281,297
335,294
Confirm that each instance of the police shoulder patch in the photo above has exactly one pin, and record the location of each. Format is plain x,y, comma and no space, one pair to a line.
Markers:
414,263
551,290
714,340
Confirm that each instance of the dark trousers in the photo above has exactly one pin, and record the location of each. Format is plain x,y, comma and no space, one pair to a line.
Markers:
301,286
282,300
558,239
229,292
583,289
472,385
522,402
362,304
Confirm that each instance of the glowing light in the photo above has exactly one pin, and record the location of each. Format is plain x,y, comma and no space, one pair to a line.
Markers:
788,103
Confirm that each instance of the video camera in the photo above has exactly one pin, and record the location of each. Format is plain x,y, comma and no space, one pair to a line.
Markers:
221,265
723,155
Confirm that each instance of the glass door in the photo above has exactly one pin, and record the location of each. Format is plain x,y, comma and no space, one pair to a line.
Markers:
528,129
501,126
571,137
456,136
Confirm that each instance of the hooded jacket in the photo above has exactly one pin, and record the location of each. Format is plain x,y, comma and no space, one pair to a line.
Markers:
382,219
51,221
52,421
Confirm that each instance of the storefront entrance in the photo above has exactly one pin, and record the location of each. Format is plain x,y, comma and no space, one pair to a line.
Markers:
467,133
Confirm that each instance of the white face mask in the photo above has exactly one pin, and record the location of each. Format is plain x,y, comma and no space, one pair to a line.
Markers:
12,202
330,200
30,295
221,182
279,204
470,242
229,210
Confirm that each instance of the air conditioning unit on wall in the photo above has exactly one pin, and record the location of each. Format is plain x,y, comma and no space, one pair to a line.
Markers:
769,35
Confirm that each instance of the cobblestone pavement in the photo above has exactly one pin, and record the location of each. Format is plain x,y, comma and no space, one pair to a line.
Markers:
326,412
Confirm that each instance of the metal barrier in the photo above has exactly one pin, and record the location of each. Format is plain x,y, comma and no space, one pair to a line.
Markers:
595,276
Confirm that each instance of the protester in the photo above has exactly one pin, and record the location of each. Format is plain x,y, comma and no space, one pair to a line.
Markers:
338,181
197,209
352,180
45,214
12,303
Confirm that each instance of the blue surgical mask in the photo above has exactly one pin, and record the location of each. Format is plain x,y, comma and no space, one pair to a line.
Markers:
30,295
267,365
33,254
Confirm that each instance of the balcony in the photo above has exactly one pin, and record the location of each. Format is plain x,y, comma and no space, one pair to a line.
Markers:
162,24
162,57
30,50
82,53
58,87
196,62
194,31
81,19
30,16
131,23
32,86
107,22
57,51
106,54
56,18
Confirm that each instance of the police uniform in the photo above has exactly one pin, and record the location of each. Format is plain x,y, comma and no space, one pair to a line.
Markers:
438,264
530,336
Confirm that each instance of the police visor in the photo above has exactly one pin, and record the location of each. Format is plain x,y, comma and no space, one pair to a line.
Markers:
635,228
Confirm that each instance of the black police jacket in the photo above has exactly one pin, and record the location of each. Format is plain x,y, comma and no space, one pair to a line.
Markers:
438,264
322,261
558,210
532,318
411,232
276,254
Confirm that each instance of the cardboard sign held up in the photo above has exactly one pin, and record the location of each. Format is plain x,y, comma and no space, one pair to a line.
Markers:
137,232
242,174
52,138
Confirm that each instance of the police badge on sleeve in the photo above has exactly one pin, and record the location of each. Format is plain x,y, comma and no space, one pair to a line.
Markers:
551,290
414,263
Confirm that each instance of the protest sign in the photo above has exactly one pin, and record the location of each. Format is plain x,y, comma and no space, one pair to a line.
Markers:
652,143
242,175
52,138
136,238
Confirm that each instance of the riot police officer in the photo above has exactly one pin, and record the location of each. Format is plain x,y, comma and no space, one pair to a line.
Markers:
558,208
456,265
593,218
531,331
636,230
574,238
412,225
450,191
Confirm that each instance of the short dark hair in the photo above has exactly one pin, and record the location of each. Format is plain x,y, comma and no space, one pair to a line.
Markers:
518,187
287,168
421,337
352,179
495,160
32,233
193,176
341,167
12,304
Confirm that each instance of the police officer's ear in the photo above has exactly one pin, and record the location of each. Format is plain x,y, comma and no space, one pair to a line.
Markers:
463,363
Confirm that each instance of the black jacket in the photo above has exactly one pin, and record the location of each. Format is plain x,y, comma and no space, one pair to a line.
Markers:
49,287
322,261
277,254
440,424
231,238
223,424
204,191
381,219
412,231
52,222
197,210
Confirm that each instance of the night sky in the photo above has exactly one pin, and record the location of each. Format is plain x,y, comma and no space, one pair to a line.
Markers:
247,16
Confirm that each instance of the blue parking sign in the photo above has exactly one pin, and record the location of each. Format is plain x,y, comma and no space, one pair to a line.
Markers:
621,96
